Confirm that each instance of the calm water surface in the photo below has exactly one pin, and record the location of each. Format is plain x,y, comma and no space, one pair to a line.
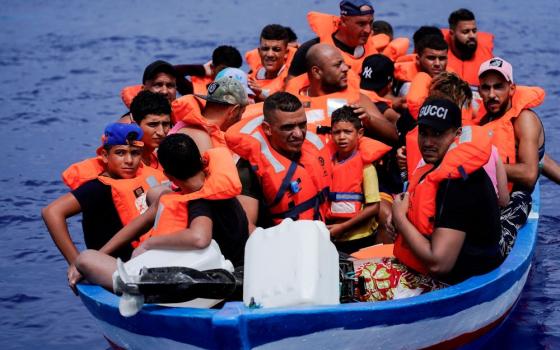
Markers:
62,65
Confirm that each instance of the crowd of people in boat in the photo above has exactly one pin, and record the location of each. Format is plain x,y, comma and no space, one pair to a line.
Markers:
435,151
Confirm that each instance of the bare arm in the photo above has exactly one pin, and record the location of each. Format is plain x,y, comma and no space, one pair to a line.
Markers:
527,129
54,216
501,178
368,212
551,169
375,122
200,137
438,255
251,207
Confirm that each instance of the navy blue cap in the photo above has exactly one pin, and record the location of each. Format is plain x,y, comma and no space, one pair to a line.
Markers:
440,114
353,8
122,134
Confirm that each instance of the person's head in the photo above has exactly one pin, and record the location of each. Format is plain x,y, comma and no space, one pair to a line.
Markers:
161,78
285,123
377,74
382,27
463,32
356,17
439,122
424,31
326,67
121,150
292,38
496,85
432,54
225,56
451,86
181,161
240,76
226,99
152,112
273,47
346,130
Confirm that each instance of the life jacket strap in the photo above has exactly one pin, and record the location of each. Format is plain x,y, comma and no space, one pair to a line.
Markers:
285,184
312,203
346,196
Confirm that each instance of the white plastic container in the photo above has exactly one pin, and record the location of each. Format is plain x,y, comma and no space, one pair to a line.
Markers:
204,259
293,263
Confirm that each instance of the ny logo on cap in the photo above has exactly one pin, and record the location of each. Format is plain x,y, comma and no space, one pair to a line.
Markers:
496,62
212,87
367,72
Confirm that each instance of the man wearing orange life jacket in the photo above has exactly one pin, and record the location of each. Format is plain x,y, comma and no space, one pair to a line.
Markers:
108,201
269,63
468,47
284,168
204,209
449,220
518,135
224,104
329,85
351,36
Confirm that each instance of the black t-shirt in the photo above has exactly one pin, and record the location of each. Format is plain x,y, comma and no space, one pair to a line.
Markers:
100,218
251,187
471,206
229,225
299,66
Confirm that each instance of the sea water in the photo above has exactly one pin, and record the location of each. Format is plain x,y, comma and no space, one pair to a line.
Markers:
63,64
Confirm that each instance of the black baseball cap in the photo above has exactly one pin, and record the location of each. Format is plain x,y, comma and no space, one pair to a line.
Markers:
157,67
440,114
377,71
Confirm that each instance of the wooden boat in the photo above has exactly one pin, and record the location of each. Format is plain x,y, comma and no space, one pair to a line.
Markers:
464,315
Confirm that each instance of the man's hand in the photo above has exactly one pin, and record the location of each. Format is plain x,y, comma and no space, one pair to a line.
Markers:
401,158
335,230
208,68
139,250
400,208
74,276
255,86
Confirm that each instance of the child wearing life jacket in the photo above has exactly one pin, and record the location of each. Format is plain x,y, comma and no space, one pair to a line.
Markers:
121,157
204,209
354,196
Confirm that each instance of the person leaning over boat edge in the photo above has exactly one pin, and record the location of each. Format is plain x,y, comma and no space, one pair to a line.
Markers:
120,155
449,220
183,220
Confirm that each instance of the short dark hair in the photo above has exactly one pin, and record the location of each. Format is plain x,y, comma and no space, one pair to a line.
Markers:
179,156
458,16
382,27
275,32
424,31
147,102
292,36
281,100
346,114
434,42
227,56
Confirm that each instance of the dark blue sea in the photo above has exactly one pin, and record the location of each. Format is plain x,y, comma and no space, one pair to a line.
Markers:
63,64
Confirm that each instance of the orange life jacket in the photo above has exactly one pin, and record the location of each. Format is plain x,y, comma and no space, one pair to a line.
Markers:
319,109
188,111
128,93
324,25
346,195
468,153
258,72
200,84
396,48
129,195
525,97
374,97
468,70
253,110
291,189
81,172
221,182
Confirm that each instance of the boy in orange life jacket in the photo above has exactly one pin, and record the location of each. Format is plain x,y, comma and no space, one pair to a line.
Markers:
354,197
121,154
185,220
152,112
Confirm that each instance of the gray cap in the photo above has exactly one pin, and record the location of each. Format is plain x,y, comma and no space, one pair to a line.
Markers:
226,90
